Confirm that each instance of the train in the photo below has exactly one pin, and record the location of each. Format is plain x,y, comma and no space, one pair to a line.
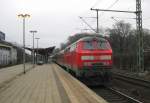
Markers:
88,57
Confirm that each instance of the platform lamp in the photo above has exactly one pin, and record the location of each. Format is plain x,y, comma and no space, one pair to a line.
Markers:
37,49
24,16
33,32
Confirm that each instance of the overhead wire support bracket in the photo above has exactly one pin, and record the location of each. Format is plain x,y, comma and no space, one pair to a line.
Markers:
114,10
97,10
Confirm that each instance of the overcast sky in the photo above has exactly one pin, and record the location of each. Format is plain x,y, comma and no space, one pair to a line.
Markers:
55,20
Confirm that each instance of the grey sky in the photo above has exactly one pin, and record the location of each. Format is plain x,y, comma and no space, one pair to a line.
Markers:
55,20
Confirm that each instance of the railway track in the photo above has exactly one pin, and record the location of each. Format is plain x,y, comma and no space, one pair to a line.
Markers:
135,87
131,80
113,96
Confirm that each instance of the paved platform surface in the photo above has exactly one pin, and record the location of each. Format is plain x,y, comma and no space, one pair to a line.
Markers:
47,84
9,73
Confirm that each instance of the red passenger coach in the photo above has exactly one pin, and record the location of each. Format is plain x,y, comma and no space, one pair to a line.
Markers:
88,57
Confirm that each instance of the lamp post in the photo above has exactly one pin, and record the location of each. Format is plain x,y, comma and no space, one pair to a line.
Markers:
37,49
24,16
33,32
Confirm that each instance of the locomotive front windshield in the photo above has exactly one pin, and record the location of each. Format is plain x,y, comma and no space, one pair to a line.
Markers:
93,45
88,45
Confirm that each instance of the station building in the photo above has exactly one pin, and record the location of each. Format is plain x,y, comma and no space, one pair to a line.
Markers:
8,52
2,36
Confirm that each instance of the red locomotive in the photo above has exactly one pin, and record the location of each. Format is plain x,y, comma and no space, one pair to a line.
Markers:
87,57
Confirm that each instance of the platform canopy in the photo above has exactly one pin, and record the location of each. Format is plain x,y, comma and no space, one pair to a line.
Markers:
43,51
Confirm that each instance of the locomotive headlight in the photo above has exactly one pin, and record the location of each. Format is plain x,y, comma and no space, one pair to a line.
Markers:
87,57
105,57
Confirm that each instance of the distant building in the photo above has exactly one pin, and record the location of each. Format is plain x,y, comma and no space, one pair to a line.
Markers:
2,36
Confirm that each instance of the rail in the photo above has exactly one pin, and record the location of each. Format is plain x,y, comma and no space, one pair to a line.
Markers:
132,80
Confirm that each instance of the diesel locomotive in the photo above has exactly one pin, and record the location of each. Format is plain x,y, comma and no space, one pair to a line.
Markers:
88,57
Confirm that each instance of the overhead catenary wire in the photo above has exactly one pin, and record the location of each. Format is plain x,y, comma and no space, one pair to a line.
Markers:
89,17
112,4
96,3
87,24
116,1
124,17
146,18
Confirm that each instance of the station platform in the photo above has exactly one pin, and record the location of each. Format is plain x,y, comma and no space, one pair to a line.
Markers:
47,84
9,73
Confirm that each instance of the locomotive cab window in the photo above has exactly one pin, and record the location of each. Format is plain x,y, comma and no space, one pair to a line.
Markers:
91,45
103,45
73,47
88,45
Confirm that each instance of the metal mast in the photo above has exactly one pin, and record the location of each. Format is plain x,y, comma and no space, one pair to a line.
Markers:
97,31
97,22
33,52
138,13
24,16
139,35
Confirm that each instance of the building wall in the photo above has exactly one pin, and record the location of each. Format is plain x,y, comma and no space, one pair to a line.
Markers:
4,56
8,55
13,55
2,36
